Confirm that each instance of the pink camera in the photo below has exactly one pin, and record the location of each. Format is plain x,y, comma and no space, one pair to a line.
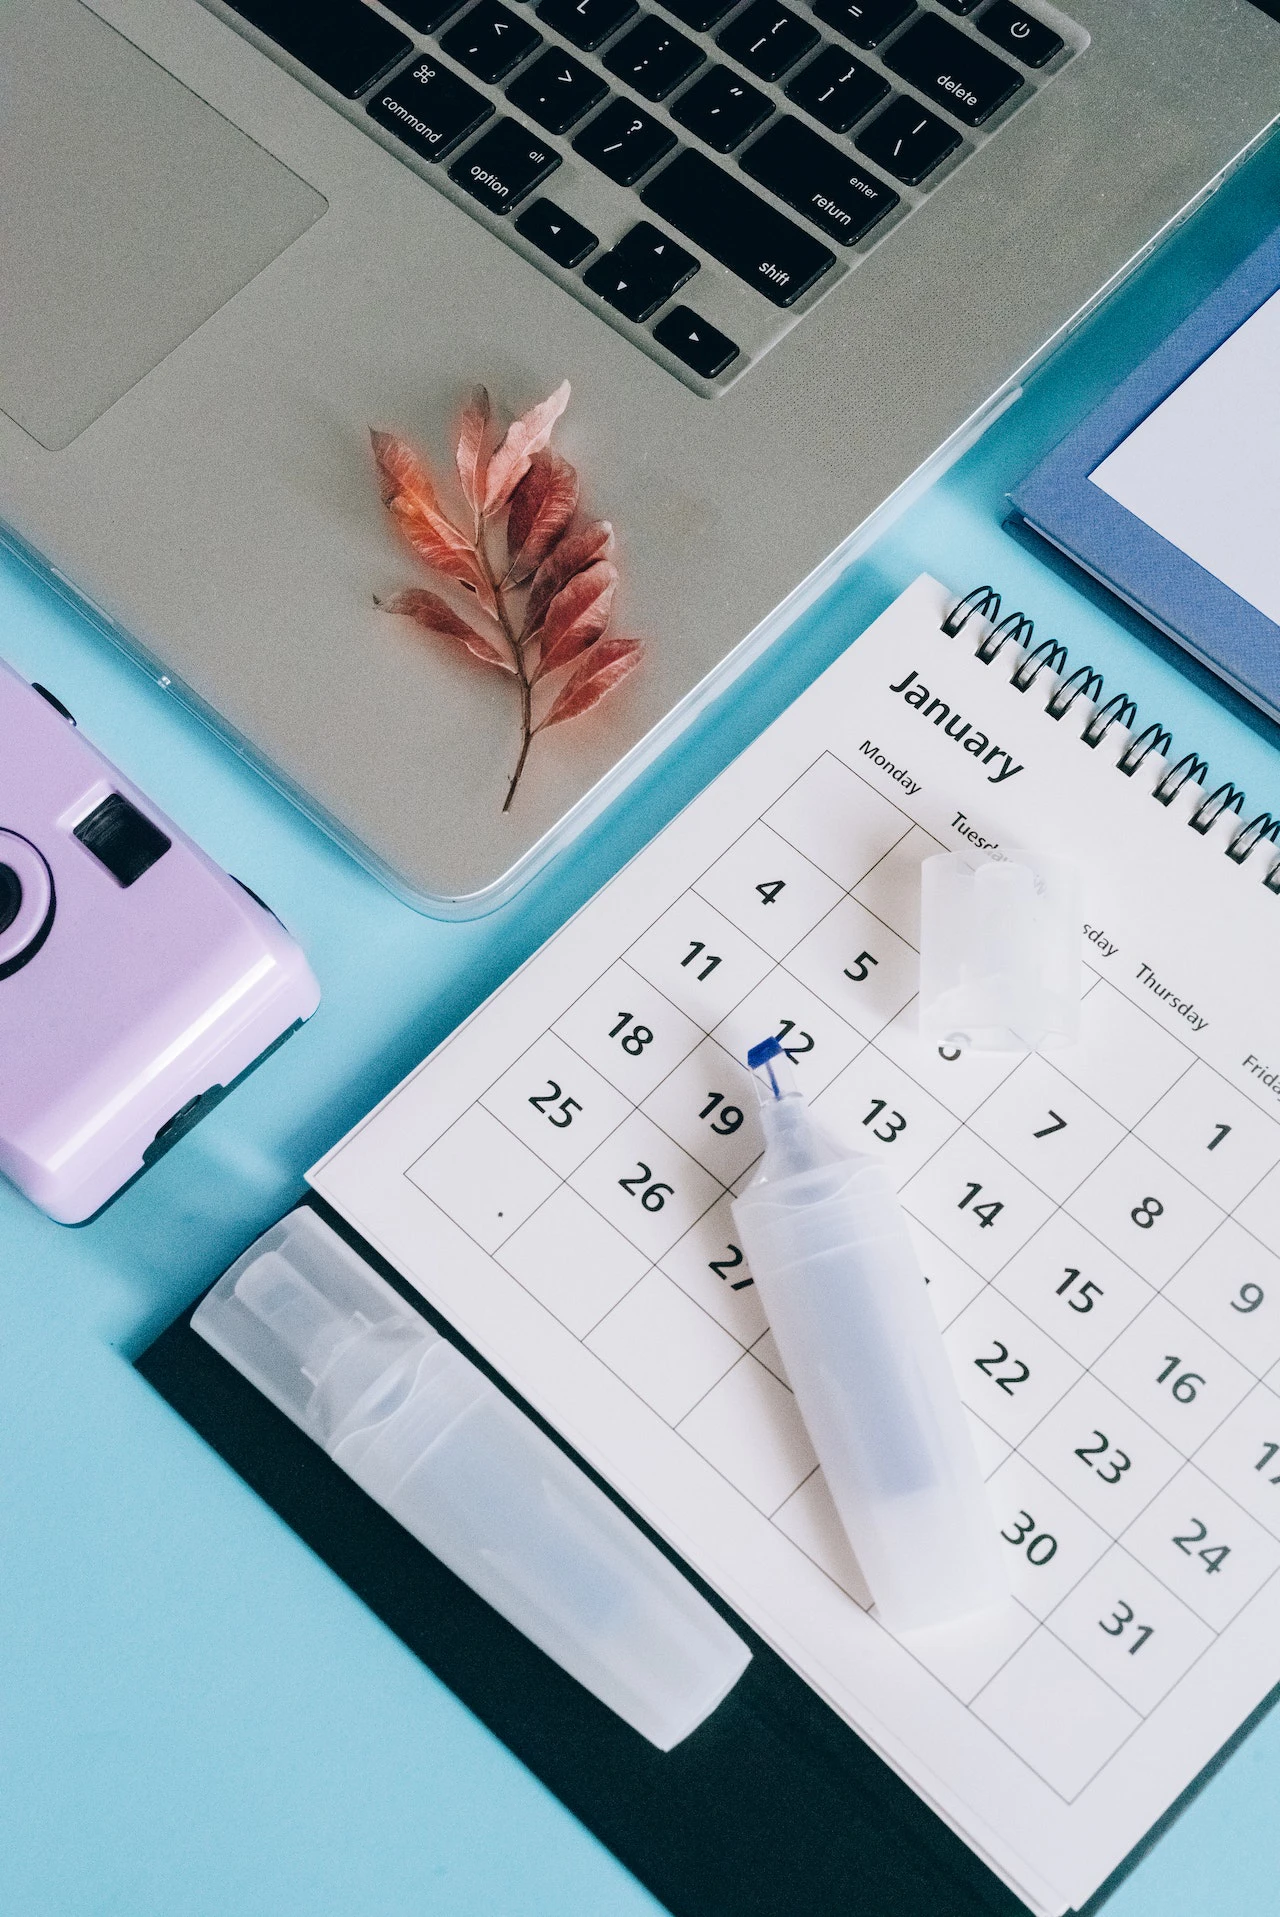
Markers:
138,982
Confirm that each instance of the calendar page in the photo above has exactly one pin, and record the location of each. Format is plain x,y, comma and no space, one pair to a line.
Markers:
1097,1225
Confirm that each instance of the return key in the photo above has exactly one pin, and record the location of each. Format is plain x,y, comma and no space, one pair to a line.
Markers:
818,180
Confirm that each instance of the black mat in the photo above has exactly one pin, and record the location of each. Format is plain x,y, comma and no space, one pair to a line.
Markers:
773,1807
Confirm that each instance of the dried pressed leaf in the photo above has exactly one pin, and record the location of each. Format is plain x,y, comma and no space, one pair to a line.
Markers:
605,667
434,614
577,616
437,540
541,507
410,498
573,554
401,471
473,454
524,437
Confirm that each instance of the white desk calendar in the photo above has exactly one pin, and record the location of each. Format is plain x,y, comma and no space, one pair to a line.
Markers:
1097,1225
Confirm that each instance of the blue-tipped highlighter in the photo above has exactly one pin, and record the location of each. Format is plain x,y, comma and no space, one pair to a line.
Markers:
845,1297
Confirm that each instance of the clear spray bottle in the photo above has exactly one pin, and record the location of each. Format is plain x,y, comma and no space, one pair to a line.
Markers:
846,1301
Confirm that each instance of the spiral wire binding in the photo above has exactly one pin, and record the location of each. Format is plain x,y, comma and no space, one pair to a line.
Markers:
1014,628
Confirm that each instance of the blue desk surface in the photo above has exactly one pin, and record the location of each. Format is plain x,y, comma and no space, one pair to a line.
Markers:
196,1718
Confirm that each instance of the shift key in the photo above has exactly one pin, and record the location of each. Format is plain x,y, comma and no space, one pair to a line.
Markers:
741,231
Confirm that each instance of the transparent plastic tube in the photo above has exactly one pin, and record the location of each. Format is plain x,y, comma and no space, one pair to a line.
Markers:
846,1302
1000,952
427,1435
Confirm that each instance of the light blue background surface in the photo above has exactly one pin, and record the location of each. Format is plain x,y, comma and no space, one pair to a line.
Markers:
196,1718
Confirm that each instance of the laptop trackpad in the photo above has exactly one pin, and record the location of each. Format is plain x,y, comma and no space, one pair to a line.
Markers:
131,211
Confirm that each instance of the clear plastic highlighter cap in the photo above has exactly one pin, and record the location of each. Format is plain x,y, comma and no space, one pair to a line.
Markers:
1000,952
328,1342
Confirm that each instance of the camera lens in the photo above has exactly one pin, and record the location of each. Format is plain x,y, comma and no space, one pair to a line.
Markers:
27,902
10,896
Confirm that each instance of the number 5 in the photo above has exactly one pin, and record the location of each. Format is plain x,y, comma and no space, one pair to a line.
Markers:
861,967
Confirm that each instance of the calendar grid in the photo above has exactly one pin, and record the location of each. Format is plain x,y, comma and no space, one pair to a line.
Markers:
1100,1229
823,898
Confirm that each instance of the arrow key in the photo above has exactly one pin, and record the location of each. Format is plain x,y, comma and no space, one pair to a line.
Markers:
653,254
629,292
642,272
564,240
702,348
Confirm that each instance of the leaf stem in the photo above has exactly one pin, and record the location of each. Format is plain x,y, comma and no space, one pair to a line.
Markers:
498,588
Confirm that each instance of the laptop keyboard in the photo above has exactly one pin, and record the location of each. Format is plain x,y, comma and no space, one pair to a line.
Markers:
746,158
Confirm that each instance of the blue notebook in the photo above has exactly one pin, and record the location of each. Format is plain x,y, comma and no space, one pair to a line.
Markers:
1169,492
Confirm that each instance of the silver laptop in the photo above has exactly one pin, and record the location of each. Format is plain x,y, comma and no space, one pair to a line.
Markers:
790,257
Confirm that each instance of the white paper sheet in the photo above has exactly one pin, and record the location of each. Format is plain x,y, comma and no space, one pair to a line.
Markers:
1203,469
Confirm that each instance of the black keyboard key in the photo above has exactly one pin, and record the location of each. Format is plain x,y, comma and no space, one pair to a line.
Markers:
962,6
722,109
767,39
947,66
865,22
908,141
641,273
1020,34
655,254
504,164
837,89
489,41
588,23
429,108
745,234
700,346
624,141
653,58
345,44
629,293
701,15
817,179
428,16
562,239
556,91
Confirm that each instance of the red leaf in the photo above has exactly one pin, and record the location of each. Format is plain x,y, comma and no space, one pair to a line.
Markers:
572,555
434,614
605,667
400,471
524,437
541,507
576,616
472,455
410,497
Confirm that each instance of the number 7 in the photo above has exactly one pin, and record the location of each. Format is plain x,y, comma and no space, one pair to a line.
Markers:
1058,1125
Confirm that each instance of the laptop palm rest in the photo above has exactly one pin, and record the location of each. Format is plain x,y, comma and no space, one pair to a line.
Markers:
131,212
